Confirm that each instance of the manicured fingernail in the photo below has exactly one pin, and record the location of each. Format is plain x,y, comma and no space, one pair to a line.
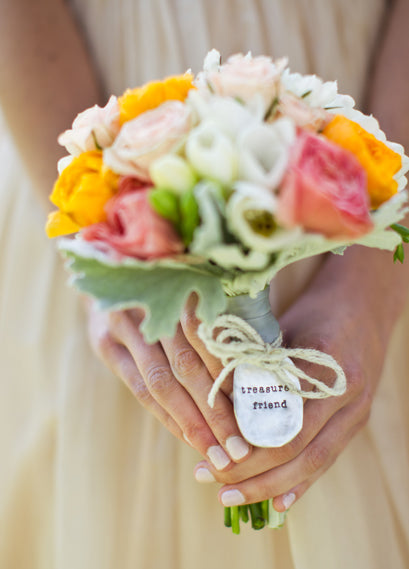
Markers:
218,457
232,498
204,475
288,499
237,447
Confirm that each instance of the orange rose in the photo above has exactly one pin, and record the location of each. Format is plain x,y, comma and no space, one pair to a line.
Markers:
134,102
379,161
81,193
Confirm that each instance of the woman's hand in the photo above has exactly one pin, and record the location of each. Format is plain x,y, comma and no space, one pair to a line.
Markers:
170,379
348,319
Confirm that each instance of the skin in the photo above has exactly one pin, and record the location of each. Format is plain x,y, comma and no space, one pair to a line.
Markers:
173,377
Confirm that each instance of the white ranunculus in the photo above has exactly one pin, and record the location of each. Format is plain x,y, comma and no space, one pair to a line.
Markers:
211,153
264,152
173,173
250,217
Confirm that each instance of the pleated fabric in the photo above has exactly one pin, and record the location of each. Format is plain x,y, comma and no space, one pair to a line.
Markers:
89,479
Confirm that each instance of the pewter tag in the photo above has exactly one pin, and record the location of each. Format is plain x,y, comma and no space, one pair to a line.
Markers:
268,413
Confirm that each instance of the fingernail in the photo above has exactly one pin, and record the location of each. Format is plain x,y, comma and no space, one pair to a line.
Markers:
187,440
204,475
288,499
218,457
237,447
232,498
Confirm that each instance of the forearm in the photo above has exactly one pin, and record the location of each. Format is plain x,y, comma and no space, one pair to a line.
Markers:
46,78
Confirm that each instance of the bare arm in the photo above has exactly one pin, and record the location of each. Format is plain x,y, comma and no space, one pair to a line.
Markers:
46,78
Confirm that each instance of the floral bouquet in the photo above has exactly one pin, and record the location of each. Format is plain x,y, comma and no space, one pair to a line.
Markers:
212,184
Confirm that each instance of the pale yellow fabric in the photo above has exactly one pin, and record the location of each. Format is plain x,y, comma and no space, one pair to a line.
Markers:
88,480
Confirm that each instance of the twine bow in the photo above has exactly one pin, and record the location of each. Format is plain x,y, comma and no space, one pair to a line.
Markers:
238,343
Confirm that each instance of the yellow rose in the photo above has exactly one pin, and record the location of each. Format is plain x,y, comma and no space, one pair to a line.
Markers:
136,101
379,161
81,193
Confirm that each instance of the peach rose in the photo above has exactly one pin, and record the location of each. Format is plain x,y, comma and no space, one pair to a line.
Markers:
324,190
147,137
132,227
93,129
244,76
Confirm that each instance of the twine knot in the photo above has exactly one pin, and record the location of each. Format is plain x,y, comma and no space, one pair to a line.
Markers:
236,342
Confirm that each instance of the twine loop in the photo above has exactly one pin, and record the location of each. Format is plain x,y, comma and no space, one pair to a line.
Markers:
236,342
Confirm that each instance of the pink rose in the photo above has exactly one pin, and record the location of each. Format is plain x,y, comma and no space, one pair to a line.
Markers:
324,190
244,76
132,227
147,137
93,129
302,114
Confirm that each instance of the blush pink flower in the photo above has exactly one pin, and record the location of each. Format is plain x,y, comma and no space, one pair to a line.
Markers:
147,137
244,76
93,129
324,190
132,227
302,114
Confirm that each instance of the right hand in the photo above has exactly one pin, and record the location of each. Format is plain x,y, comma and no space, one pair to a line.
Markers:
172,379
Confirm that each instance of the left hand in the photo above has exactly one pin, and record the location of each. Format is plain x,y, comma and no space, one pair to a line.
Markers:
330,319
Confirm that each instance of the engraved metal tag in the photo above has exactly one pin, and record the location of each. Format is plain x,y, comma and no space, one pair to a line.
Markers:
267,412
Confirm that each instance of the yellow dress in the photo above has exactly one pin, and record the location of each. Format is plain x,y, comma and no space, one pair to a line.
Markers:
89,480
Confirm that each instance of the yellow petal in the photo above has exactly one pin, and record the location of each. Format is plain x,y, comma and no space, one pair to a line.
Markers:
59,223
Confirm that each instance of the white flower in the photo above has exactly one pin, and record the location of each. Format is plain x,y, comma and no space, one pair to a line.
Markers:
315,91
230,115
173,173
212,61
211,153
93,129
264,152
250,217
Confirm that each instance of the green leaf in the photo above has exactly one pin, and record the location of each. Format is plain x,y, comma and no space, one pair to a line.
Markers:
402,231
399,254
189,216
161,290
165,203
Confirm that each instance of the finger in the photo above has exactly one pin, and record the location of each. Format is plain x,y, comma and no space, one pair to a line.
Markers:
164,388
190,324
117,358
296,476
194,376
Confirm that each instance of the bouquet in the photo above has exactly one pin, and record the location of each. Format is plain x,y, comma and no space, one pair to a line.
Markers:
212,184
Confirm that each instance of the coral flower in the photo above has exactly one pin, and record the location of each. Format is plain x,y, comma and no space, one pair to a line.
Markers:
136,101
379,161
81,193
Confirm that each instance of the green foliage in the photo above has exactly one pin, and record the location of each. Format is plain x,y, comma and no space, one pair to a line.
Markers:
162,290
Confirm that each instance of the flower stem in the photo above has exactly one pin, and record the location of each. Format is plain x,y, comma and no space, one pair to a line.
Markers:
235,519
227,517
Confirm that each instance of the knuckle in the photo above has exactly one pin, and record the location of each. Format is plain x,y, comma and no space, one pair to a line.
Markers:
139,390
189,322
198,433
317,457
355,381
186,363
159,380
